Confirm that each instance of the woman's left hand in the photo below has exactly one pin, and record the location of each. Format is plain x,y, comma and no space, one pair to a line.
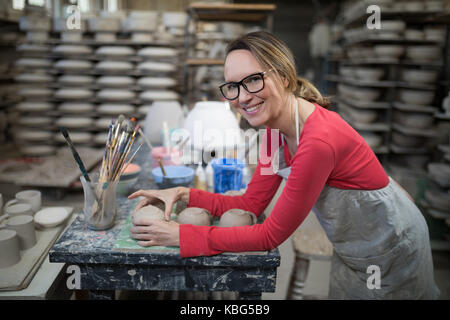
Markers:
155,232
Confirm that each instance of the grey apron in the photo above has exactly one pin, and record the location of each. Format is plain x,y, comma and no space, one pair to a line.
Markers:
380,241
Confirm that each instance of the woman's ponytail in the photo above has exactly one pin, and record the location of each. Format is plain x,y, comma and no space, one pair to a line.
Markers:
308,91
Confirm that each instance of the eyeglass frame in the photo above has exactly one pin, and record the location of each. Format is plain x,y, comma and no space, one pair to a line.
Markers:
241,83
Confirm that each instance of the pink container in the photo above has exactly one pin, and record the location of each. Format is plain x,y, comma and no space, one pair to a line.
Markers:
168,159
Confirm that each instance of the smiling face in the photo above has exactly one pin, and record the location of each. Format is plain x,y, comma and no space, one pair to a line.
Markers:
260,108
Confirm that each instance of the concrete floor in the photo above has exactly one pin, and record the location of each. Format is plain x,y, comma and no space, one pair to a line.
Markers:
318,275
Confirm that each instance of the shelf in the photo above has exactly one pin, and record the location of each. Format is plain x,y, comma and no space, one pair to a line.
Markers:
364,104
416,85
375,39
118,42
230,12
394,61
205,61
378,127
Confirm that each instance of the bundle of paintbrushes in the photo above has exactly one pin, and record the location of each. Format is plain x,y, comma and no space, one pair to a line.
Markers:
116,159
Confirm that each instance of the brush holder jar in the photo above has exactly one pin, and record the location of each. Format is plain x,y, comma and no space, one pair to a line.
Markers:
100,205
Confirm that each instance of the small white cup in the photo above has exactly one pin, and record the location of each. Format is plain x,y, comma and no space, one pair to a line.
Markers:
17,209
9,248
24,226
32,197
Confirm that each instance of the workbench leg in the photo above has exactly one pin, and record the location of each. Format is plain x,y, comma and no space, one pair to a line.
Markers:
102,294
249,295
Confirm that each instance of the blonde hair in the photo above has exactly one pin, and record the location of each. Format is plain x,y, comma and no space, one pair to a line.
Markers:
272,53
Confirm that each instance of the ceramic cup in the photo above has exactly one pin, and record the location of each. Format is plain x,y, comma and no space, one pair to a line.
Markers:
24,226
236,218
9,248
32,197
195,216
17,209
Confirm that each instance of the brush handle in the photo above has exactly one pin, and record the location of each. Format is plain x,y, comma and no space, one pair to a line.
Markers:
75,154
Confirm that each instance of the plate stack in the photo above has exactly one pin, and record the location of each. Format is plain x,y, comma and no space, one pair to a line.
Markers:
32,126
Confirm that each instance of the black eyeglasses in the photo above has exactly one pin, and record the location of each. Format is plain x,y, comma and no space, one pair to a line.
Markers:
252,83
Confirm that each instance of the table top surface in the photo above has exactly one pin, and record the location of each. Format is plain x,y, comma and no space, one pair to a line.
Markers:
80,245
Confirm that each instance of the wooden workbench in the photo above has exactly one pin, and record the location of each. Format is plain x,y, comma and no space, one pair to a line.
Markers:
105,268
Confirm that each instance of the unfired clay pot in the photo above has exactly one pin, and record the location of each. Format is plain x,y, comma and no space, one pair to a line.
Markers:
195,216
236,218
149,212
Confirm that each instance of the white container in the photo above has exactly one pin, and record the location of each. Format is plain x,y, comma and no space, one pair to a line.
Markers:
115,81
389,51
213,126
33,63
33,78
160,111
71,36
75,79
72,49
157,52
141,37
174,19
412,34
157,95
416,97
116,51
370,74
114,66
105,37
115,95
156,67
74,93
156,82
72,64
419,76
104,24
141,21
424,53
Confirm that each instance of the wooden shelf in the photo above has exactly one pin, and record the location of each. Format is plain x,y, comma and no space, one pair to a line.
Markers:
231,12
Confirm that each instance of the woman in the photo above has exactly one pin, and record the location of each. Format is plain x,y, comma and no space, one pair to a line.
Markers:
368,218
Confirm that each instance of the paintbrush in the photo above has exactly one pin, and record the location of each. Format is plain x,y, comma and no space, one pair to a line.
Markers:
75,154
145,139
162,167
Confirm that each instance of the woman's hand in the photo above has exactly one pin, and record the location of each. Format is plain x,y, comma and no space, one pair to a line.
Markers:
168,196
155,232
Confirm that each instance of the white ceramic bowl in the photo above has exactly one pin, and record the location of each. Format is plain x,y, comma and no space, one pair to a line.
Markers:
33,63
393,25
157,52
75,79
32,106
105,37
110,24
115,81
67,49
141,21
141,37
115,95
33,78
75,122
114,66
371,74
74,93
407,141
423,53
419,76
157,95
35,92
71,36
156,82
115,51
71,64
34,48
158,112
389,51
156,67
33,135
416,97
366,94
414,120
174,19
413,34
364,116
34,121
75,107
116,109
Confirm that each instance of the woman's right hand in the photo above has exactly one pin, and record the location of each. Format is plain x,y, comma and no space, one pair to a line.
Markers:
168,196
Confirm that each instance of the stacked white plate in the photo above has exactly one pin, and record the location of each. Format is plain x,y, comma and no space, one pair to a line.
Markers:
33,63
33,78
424,53
30,121
71,64
115,81
33,135
416,97
39,150
389,51
75,122
156,67
115,51
414,120
114,66
67,49
33,48
35,92
75,93
115,109
76,107
99,24
155,95
103,123
75,79
144,21
419,76
156,82
76,137
29,106
141,37
152,52
115,95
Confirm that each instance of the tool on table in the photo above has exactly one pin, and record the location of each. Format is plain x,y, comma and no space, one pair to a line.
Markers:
75,153
162,167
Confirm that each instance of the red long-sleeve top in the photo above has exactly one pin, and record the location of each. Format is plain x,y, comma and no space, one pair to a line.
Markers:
330,152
